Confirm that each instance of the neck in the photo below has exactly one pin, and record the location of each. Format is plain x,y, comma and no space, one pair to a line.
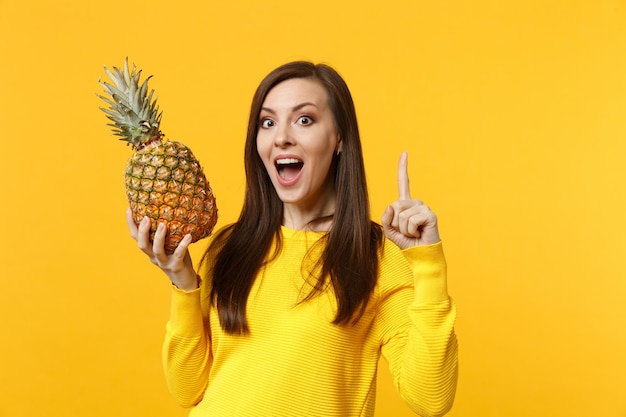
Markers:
322,224
319,220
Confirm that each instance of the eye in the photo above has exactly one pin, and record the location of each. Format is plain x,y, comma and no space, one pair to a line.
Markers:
305,120
266,123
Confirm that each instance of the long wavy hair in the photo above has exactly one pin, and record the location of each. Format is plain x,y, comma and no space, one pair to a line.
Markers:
348,261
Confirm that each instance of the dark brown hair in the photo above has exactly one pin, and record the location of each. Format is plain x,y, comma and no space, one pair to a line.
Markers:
349,259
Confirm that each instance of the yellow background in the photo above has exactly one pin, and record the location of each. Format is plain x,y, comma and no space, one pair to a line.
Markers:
514,116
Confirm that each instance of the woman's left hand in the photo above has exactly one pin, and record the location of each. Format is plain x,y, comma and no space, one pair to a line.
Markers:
409,222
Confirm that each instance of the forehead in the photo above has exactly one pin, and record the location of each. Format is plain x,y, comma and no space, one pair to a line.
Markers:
295,91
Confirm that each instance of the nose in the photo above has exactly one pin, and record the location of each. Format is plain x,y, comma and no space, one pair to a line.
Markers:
283,136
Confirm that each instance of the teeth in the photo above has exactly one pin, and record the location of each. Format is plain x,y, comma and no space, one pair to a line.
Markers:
287,161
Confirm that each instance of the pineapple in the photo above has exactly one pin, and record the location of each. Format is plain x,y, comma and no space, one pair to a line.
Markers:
164,180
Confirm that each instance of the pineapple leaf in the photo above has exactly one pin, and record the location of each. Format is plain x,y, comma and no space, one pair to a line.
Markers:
131,106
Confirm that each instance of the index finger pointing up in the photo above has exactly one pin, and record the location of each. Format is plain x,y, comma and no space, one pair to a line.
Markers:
404,191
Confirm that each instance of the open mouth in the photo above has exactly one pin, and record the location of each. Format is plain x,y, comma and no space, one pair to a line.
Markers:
288,168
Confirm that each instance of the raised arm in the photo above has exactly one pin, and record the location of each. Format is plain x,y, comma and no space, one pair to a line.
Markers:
416,313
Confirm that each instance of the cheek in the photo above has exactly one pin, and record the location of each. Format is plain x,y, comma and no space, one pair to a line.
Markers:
326,148
264,155
262,148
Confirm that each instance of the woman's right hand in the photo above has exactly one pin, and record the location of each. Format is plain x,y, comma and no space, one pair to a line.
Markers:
178,266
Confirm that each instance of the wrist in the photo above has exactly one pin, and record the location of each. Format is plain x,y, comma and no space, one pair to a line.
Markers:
187,284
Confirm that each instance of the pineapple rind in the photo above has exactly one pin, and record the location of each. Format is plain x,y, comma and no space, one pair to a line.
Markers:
167,184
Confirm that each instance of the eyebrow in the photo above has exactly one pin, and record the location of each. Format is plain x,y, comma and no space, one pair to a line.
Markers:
294,108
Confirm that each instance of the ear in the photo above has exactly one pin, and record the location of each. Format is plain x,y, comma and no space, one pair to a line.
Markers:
339,146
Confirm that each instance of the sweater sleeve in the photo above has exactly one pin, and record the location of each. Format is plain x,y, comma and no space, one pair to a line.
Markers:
186,348
416,319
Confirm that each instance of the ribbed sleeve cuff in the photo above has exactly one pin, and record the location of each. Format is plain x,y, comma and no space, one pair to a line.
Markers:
429,270
186,313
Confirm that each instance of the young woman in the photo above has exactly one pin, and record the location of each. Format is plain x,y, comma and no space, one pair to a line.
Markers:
301,296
